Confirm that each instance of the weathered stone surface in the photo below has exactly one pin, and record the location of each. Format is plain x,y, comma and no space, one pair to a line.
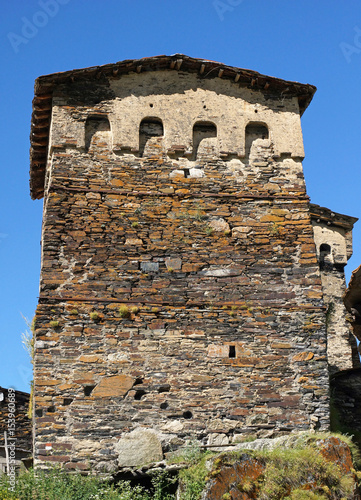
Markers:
333,240
228,479
133,241
242,477
219,225
178,265
173,264
149,267
115,386
14,408
138,448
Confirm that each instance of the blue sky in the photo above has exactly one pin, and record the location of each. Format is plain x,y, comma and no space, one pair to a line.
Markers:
307,41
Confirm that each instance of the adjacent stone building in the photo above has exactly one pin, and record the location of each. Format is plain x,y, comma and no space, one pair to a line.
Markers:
182,295
16,424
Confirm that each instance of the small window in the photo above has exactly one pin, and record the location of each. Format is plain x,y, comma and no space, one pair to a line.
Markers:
232,351
325,255
325,249
202,132
149,130
97,131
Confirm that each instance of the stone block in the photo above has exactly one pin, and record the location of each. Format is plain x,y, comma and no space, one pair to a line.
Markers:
139,447
149,267
173,263
115,386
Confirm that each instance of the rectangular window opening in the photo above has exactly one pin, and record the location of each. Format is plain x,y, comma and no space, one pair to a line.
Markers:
232,351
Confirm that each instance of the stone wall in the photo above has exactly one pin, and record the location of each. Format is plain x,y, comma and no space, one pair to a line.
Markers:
18,432
180,293
333,239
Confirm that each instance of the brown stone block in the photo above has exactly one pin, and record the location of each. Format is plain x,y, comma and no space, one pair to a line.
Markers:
239,411
271,218
47,382
228,481
314,294
304,262
281,345
115,386
83,377
59,426
302,380
89,358
303,356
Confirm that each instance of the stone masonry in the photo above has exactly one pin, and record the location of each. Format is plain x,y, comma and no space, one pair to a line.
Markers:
180,294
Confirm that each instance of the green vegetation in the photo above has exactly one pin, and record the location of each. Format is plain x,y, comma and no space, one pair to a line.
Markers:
199,215
192,480
94,316
296,473
54,324
124,311
275,229
292,473
27,339
57,484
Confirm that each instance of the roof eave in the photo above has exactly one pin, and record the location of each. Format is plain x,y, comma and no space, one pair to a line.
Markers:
44,86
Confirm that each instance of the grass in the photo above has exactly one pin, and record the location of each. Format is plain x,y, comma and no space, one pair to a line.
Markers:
192,480
54,324
94,316
57,484
124,311
338,425
298,473
275,229
291,473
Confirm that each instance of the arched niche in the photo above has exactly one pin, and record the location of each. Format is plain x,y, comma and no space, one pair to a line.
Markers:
204,140
256,131
151,132
326,259
97,132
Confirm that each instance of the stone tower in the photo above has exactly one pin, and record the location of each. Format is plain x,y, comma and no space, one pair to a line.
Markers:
180,293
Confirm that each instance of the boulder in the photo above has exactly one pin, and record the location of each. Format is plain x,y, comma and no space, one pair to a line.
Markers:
138,448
